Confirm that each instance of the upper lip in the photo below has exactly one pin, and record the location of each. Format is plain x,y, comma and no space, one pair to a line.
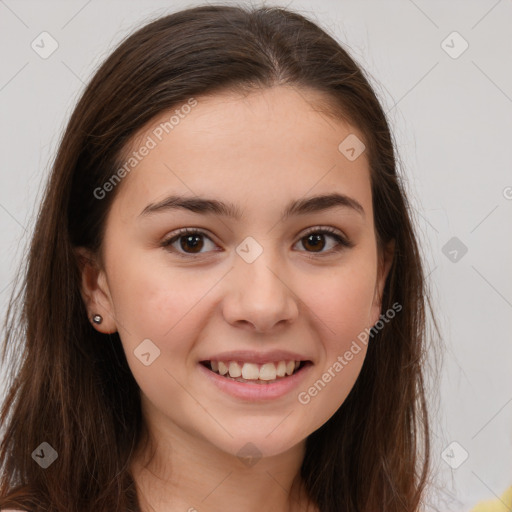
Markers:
249,356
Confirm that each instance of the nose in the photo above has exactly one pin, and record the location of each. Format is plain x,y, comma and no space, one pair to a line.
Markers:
259,296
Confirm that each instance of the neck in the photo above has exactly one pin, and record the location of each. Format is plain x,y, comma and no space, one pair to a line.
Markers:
184,473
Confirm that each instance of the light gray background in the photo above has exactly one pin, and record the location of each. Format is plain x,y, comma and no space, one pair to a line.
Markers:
452,119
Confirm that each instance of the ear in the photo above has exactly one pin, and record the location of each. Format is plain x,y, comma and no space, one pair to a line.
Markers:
95,292
384,265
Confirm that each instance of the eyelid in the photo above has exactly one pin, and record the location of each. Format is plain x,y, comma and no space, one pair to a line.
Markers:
342,241
329,230
176,235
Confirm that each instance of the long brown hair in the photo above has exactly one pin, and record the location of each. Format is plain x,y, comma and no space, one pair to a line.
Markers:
70,386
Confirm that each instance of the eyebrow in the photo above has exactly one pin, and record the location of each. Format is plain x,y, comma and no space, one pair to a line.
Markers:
205,206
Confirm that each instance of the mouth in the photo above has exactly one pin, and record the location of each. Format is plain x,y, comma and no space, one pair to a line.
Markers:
251,373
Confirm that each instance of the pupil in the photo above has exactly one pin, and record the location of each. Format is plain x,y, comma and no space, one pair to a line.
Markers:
189,242
317,239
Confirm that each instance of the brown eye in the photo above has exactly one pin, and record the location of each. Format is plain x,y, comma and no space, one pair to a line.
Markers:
190,242
314,241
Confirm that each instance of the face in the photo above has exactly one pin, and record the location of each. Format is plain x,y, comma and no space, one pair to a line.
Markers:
249,280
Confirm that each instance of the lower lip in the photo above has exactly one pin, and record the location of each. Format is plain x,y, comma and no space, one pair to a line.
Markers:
257,392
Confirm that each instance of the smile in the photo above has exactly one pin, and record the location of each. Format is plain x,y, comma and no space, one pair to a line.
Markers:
255,373
273,385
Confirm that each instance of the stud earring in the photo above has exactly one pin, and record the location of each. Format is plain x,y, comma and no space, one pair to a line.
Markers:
97,319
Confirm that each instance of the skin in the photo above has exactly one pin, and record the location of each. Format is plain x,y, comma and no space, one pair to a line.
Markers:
258,151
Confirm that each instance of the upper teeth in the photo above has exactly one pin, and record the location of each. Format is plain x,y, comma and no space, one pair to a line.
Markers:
252,371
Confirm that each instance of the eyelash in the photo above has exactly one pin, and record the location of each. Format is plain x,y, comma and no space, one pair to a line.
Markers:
341,241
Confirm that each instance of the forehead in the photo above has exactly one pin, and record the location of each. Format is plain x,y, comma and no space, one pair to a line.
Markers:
251,148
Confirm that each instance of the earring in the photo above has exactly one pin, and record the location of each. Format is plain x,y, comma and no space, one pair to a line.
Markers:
97,319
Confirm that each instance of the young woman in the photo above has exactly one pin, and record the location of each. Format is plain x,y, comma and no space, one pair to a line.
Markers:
224,306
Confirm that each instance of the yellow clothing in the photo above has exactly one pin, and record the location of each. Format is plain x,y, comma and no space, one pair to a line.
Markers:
505,505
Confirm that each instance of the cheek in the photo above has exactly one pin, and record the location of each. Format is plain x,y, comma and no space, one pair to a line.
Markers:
341,301
138,296
161,304
165,308
339,313
341,324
